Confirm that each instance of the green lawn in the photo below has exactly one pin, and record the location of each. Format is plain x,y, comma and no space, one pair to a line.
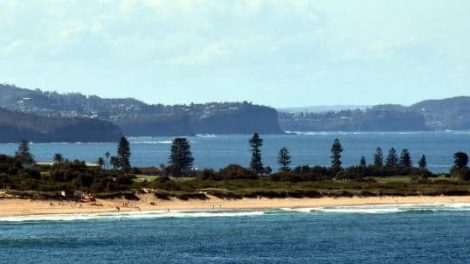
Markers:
142,178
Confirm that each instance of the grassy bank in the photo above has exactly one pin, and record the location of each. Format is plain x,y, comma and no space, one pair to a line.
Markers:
194,188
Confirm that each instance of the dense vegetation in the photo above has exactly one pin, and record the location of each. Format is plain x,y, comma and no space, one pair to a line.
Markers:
393,174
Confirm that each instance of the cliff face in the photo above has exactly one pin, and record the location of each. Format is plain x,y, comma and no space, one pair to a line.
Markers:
157,125
242,119
15,126
245,119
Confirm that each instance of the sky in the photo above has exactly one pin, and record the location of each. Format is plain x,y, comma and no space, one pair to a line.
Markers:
282,53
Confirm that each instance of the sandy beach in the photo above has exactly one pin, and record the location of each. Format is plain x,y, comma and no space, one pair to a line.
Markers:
14,206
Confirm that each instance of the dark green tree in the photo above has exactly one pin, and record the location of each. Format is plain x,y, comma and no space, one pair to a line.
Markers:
100,162
363,162
181,159
124,154
58,158
460,160
336,150
284,159
24,153
114,161
423,163
379,158
405,159
392,158
256,164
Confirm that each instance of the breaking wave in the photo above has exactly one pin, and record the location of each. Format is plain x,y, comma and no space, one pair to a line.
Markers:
128,215
365,209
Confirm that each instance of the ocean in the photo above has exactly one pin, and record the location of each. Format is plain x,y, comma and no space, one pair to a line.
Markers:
216,151
437,233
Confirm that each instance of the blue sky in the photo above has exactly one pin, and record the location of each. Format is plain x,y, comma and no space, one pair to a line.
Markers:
281,53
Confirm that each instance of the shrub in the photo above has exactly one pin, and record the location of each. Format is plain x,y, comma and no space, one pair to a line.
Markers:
190,196
461,173
234,171
303,173
29,174
162,195
208,174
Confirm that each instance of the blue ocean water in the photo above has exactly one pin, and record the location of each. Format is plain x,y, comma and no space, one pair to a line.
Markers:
216,151
371,235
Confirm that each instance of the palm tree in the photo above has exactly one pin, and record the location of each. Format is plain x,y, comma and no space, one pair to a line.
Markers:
57,159
107,155
114,162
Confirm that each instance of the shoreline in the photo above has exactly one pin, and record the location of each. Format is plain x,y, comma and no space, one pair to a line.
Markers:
148,203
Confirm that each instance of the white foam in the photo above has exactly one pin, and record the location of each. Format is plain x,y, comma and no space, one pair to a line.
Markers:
358,210
399,208
299,210
206,135
128,215
364,209
153,142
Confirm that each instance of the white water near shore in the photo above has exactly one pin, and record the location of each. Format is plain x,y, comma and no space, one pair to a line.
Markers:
363,209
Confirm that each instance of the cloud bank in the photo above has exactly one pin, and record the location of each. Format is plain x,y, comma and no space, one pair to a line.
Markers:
275,52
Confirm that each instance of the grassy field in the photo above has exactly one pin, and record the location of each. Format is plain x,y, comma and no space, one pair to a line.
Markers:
236,189
407,179
195,188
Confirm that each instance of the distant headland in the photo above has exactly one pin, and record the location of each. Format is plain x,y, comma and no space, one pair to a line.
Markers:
130,116
76,117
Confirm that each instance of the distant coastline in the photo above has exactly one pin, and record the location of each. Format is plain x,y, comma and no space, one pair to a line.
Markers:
65,117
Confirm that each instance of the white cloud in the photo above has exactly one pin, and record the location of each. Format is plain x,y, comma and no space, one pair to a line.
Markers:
277,43
204,57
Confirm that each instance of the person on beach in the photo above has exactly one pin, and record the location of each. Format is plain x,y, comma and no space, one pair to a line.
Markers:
118,208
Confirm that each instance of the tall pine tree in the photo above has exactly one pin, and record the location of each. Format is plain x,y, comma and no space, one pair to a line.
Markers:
24,153
181,158
124,154
379,158
405,159
423,163
336,150
284,159
392,158
256,164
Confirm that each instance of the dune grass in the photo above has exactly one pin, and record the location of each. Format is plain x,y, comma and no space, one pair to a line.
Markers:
265,187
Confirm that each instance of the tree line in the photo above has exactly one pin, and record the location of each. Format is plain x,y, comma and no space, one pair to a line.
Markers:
181,161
